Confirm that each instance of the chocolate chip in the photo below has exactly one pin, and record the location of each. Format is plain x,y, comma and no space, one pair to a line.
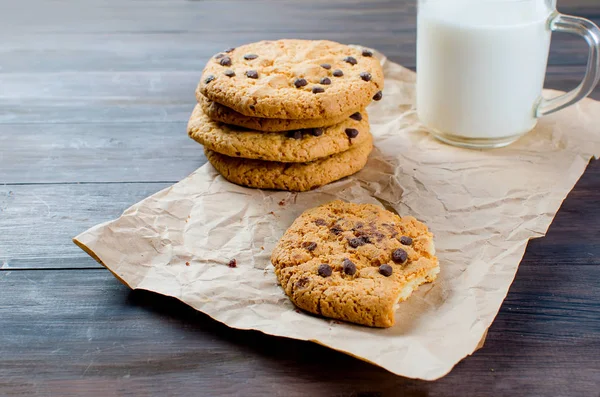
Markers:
356,116
320,222
378,235
316,131
348,267
386,270
303,282
209,78
219,55
338,73
378,96
296,134
232,263
300,83
367,53
326,66
351,132
325,81
366,76
324,270
229,49
229,73
252,107
250,57
311,246
399,255
225,61
253,74
336,230
406,240
358,241
350,60
317,90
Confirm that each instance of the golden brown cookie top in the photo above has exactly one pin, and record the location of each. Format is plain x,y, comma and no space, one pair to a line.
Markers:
356,260
295,146
292,79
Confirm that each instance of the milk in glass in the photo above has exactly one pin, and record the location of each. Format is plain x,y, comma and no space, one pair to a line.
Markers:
481,66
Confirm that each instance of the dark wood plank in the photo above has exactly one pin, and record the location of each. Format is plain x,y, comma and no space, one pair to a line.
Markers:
77,38
231,16
184,51
65,330
99,152
37,222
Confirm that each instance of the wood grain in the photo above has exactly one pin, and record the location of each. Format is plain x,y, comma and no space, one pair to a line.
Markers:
97,152
37,222
94,97
88,329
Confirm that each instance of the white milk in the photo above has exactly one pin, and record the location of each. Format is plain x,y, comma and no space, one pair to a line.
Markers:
481,66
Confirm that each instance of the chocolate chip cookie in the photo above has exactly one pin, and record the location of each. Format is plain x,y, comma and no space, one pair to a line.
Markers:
297,146
292,79
291,176
354,262
226,115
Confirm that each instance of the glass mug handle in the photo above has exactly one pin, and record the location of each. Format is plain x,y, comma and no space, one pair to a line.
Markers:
590,32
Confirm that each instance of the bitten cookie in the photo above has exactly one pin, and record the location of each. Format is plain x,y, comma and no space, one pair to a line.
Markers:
226,115
291,176
354,262
292,79
296,146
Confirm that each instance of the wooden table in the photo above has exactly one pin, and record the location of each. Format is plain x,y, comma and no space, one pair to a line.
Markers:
94,99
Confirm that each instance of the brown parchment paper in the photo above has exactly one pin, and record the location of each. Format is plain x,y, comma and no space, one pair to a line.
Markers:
482,206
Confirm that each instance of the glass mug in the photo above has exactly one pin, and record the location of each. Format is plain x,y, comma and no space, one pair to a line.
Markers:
481,67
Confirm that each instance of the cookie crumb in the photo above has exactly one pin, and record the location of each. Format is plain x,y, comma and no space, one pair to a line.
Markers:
232,263
187,263
262,248
272,213
282,202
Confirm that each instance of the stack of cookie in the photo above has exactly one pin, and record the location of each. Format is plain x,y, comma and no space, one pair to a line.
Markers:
287,114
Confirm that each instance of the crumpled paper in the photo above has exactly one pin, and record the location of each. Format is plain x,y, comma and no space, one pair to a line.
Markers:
482,206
